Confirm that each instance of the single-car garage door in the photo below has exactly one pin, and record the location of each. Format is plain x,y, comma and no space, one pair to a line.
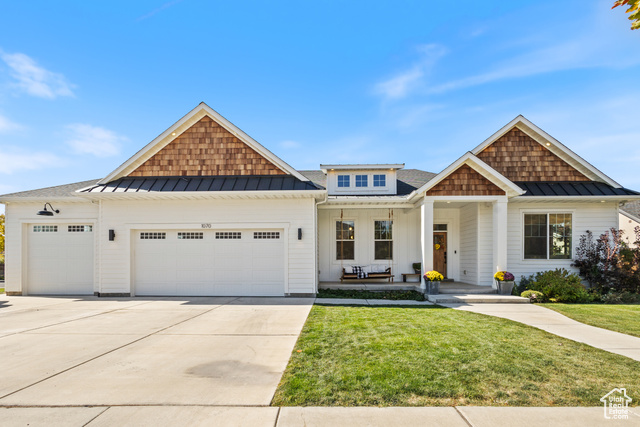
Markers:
60,259
209,262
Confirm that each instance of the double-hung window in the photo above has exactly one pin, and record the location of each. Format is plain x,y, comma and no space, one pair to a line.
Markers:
547,236
345,240
383,239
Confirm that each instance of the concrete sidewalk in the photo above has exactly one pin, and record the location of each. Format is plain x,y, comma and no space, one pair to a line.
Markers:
220,416
557,324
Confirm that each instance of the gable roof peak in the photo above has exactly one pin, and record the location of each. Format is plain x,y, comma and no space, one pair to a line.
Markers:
199,112
550,143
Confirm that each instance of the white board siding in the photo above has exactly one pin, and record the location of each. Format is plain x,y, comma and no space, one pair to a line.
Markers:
406,249
469,243
628,225
596,217
17,218
126,216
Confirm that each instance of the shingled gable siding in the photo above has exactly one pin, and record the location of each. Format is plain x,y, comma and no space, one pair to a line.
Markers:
519,157
206,149
465,181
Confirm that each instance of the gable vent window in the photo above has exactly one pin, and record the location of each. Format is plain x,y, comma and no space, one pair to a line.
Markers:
228,235
344,181
190,235
379,180
361,181
153,236
45,228
80,228
266,234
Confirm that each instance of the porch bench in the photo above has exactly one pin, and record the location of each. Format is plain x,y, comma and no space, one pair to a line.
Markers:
370,276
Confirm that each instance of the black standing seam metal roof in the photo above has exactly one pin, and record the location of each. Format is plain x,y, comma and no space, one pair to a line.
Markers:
572,188
204,183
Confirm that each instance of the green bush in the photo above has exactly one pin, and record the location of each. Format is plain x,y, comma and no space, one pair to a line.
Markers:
560,285
621,298
534,296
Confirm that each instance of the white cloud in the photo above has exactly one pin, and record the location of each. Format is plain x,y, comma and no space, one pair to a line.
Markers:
406,82
87,139
15,161
34,79
7,125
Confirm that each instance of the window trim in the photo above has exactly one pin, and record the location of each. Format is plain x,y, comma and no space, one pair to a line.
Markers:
384,180
335,240
347,177
374,260
363,177
547,212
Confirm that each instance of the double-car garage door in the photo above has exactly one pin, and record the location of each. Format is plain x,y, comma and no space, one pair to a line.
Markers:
209,262
164,262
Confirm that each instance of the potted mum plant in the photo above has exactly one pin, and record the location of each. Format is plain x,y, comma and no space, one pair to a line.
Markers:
505,282
432,280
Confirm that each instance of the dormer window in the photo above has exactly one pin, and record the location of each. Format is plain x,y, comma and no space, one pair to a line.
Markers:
343,181
361,181
379,180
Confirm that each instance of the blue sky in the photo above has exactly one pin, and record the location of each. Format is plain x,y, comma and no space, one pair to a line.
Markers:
84,85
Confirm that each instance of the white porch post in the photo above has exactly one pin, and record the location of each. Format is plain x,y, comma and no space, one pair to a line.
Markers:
500,235
426,222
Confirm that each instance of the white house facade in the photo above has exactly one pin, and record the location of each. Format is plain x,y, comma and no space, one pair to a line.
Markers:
205,210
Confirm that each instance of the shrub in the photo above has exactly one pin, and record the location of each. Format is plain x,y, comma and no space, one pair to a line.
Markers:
621,298
608,263
559,285
534,296
523,285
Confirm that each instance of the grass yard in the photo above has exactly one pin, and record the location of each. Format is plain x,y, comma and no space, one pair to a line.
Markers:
615,317
417,356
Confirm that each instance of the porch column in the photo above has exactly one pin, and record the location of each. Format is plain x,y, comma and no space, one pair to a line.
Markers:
426,222
500,235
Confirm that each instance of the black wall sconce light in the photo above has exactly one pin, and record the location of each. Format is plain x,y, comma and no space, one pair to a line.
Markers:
112,235
45,212
299,233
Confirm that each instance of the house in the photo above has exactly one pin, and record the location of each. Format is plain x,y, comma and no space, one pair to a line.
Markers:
204,209
629,220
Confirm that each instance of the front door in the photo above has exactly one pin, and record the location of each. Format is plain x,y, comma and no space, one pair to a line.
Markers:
440,253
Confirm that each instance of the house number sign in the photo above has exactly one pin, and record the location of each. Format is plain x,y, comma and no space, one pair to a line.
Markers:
208,225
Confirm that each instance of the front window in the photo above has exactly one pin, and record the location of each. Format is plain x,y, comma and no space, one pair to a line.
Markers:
343,181
361,180
383,239
379,180
345,240
547,236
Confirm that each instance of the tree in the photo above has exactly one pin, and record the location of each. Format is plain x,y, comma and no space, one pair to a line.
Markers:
634,11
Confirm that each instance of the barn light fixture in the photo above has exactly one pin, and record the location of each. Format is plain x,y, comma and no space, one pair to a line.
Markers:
45,212
112,235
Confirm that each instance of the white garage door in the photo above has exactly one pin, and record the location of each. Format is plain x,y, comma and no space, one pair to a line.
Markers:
209,263
60,259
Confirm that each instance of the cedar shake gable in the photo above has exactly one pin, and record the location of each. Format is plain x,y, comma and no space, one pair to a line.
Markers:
465,181
519,157
206,149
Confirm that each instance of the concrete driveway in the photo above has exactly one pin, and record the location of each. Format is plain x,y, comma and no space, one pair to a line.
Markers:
61,351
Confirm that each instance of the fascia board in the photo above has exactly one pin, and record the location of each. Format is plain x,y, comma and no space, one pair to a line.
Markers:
203,195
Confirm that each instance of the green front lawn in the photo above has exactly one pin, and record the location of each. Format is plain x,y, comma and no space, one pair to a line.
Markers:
615,317
416,356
